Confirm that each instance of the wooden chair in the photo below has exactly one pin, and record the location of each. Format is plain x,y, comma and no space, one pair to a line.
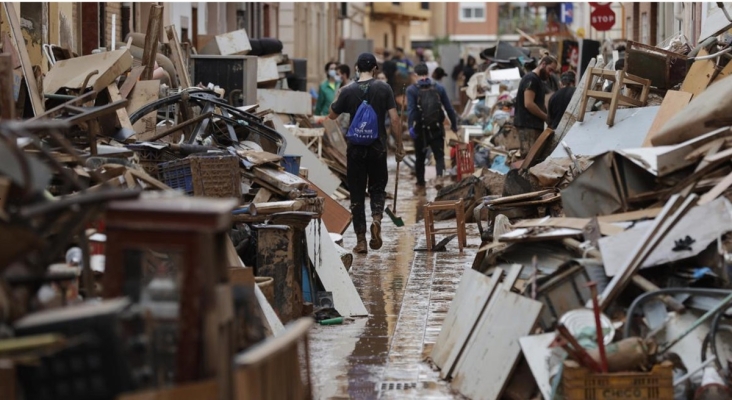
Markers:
464,160
616,98
278,368
429,222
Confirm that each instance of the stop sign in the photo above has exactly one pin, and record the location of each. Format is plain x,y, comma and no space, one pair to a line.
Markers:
602,18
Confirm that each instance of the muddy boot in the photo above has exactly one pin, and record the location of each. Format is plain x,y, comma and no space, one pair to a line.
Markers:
376,241
360,244
419,190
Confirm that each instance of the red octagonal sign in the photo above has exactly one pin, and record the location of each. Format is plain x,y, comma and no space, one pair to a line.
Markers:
602,18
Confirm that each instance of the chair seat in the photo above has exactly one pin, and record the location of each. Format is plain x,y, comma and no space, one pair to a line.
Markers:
429,224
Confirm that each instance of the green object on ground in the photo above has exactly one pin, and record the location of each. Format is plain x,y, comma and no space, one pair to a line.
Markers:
332,321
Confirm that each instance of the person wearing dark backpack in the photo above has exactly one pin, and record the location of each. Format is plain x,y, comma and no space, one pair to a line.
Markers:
425,102
367,101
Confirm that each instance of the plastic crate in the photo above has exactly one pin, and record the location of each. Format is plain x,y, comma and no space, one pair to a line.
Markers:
207,175
581,384
151,157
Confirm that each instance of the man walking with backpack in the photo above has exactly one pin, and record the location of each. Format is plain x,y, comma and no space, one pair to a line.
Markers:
367,101
425,101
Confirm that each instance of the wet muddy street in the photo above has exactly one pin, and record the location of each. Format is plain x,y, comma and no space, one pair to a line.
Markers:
407,294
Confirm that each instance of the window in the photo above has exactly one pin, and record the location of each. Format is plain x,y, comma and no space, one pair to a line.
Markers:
425,6
472,12
645,29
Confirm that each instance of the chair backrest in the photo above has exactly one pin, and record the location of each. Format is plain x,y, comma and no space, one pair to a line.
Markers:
464,160
278,368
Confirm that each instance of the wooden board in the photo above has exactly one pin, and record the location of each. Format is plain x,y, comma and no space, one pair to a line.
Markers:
336,217
699,75
267,68
144,92
25,62
177,57
470,299
124,119
332,273
7,100
673,102
566,222
537,352
717,190
131,81
493,350
285,101
537,148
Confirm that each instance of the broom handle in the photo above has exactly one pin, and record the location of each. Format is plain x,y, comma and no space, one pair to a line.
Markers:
396,187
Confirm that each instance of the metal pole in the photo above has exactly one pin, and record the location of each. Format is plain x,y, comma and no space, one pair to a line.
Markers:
724,303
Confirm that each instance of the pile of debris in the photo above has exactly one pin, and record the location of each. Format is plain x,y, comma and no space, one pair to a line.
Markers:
605,271
138,197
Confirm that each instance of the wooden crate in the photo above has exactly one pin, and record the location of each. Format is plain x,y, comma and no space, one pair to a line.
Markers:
581,384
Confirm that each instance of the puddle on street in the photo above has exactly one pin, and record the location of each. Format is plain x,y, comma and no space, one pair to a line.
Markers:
352,360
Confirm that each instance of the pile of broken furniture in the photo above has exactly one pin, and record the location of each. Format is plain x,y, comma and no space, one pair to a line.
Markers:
167,190
606,272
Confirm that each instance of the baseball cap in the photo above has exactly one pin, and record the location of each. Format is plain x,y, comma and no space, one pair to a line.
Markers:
366,62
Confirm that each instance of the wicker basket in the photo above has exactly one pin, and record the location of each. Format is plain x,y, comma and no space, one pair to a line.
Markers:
581,384
151,157
208,175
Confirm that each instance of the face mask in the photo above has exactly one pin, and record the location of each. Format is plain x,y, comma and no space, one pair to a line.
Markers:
332,73
338,79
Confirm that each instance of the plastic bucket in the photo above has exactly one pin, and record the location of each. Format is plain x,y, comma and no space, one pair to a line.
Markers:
291,164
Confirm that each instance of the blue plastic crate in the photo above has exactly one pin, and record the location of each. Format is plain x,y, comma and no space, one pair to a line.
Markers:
177,174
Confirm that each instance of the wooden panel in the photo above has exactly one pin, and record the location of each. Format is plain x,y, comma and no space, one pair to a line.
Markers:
25,62
332,273
177,57
285,101
267,68
336,217
493,350
674,102
536,351
124,119
699,75
466,307
144,92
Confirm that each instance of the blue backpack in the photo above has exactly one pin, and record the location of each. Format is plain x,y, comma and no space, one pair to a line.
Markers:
364,128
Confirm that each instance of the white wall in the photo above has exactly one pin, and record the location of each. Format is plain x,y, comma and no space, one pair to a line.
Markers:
181,17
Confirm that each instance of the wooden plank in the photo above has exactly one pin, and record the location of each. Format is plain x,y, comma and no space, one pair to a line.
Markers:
717,190
150,51
330,269
565,222
674,209
25,62
144,92
114,95
699,75
537,148
336,217
7,100
131,81
630,216
491,356
537,353
177,57
263,195
512,277
470,300
673,102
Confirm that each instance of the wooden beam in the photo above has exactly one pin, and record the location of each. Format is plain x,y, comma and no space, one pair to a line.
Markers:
124,119
25,63
151,41
177,57
7,101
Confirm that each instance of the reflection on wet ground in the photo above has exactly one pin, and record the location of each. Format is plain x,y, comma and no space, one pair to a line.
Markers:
407,294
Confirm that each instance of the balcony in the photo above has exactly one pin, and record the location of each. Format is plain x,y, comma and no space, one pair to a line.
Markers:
410,11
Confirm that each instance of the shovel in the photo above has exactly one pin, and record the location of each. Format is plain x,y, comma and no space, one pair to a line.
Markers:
396,220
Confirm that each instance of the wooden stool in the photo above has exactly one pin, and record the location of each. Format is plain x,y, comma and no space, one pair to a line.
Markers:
464,160
621,79
429,222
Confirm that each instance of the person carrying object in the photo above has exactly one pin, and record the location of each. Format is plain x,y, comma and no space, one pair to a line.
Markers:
367,101
425,102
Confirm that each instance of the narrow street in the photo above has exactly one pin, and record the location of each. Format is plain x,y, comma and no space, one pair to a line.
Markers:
407,293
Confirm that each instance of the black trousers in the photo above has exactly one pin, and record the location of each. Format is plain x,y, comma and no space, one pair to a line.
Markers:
435,141
366,168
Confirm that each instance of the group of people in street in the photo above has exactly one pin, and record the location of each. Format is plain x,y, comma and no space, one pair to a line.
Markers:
369,101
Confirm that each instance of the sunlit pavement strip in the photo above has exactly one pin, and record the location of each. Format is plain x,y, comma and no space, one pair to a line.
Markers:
407,294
